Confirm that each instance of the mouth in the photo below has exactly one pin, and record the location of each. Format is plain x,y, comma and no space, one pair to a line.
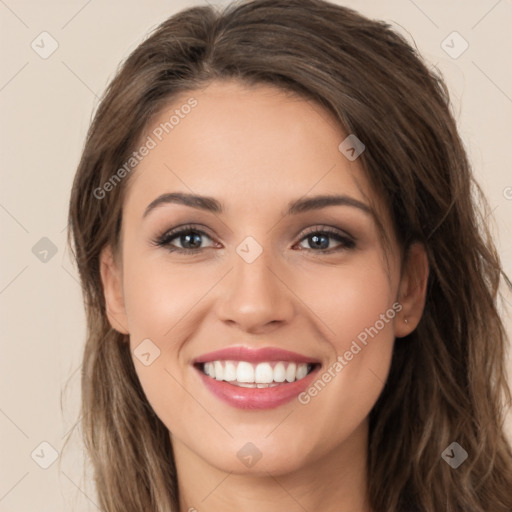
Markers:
256,378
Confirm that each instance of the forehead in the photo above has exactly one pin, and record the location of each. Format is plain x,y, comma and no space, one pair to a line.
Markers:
248,146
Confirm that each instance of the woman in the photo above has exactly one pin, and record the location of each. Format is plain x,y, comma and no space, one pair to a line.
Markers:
291,296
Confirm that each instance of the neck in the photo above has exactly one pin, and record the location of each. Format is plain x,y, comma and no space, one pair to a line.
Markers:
333,482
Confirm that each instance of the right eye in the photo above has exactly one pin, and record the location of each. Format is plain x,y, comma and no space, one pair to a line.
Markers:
188,236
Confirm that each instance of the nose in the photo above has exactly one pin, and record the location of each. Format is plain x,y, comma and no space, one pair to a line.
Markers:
255,297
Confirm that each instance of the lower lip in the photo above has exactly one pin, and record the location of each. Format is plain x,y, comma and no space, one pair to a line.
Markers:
257,398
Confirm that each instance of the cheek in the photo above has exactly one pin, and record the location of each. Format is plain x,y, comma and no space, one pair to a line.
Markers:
348,299
157,296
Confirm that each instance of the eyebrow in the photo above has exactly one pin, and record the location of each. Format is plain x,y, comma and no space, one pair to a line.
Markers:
300,205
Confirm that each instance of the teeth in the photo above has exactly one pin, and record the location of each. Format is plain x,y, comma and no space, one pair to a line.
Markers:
244,372
302,371
229,371
219,370
261,375
264,374
279,372
209,370
291,372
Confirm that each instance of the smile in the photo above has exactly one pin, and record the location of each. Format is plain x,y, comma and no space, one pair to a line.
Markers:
249,378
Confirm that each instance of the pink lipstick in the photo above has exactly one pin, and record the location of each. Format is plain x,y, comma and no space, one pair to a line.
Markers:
261,378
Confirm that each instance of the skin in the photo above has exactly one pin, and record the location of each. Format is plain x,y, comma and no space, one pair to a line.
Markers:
255,149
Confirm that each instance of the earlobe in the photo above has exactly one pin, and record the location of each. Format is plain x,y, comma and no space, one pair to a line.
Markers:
111,278
413,290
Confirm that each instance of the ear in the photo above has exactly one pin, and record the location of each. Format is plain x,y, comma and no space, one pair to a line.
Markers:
412,290
111,277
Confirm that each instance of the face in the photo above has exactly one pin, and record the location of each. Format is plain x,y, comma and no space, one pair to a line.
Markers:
285,302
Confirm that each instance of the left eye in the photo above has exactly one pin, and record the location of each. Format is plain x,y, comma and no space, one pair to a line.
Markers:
319,239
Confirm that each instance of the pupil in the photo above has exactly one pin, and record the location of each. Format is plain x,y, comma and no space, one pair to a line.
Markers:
316,239
195,239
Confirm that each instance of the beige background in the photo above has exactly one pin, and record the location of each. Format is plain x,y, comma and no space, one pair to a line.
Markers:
46,106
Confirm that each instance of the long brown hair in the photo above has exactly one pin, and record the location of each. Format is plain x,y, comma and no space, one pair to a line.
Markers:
447,380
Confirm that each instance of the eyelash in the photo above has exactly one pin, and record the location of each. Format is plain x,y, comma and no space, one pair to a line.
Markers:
164,240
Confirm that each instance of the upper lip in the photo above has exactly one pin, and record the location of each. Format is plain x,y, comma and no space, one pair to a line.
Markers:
254,355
